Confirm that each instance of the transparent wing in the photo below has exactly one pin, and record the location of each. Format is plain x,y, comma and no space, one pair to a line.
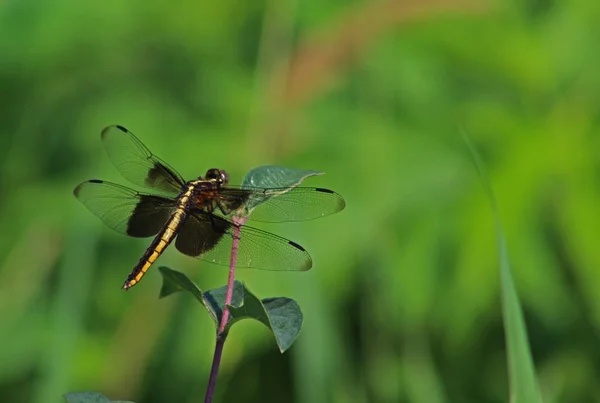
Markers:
125,210
210,238
283,204
136,163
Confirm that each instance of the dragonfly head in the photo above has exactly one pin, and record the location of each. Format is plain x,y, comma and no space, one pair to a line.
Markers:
217,175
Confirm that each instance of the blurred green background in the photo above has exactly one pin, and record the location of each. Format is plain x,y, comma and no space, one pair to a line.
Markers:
402,303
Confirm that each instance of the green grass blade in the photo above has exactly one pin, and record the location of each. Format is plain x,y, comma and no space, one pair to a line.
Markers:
523,387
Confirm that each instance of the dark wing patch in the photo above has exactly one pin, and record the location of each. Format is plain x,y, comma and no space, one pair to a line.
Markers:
137,164
198,234
210,238
123,209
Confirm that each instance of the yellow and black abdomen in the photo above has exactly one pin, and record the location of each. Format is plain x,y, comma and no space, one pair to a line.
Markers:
160,242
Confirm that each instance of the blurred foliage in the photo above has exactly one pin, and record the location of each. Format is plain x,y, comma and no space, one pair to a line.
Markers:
402,303
89,397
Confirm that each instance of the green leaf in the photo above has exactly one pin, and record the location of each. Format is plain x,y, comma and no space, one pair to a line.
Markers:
285,318
214,300
243,305
89,397
274,176
278,179
521,372
174,281
281,315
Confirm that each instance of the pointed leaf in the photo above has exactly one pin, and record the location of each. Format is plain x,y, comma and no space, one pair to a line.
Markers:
273,176
282,315
521,372
88,397
174,281
286,320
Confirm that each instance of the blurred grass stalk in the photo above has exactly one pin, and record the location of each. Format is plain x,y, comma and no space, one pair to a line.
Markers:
58,363
523,387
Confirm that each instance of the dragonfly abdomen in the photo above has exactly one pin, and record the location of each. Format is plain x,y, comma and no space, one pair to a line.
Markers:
164,237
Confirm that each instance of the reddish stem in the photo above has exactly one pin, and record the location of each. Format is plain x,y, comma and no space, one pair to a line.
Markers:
212,380
231,277
221,333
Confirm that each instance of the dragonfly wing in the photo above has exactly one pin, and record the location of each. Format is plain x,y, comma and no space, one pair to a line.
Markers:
283,204
123,209
210,238
137,164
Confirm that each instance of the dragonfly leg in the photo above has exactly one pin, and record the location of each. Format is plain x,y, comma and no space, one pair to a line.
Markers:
211,211
224,208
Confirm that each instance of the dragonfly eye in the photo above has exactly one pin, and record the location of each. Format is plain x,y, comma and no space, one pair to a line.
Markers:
224,177
217,174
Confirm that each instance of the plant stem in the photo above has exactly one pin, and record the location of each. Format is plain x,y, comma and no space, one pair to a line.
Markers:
212,380
221,333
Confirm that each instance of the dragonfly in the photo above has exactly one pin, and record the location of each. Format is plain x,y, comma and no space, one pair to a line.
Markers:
199,214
